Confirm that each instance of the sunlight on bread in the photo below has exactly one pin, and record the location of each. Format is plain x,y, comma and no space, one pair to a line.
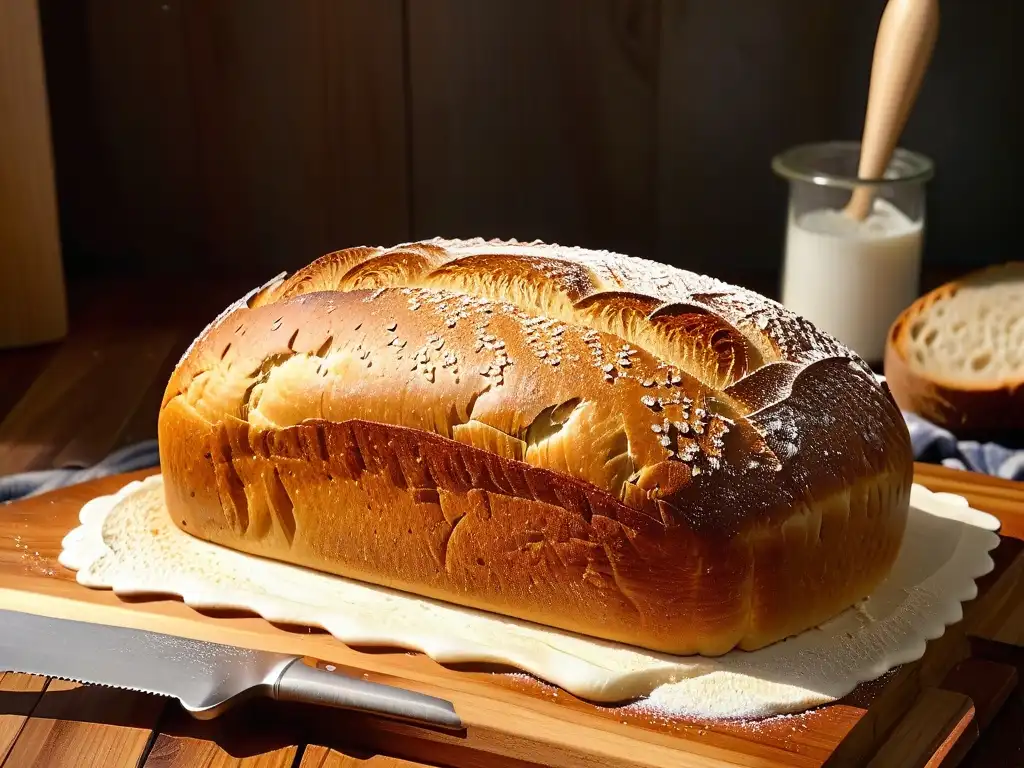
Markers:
581,439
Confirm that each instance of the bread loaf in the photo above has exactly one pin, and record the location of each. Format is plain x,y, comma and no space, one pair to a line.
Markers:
585,440
956,355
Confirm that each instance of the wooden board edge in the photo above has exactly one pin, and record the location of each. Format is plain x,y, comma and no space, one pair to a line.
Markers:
493,726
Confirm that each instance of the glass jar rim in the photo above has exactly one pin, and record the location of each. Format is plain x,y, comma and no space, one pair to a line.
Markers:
905,167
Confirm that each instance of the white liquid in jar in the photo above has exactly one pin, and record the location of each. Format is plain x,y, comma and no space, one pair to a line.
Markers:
852,278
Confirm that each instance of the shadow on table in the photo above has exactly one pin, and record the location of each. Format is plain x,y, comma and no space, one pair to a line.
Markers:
251,729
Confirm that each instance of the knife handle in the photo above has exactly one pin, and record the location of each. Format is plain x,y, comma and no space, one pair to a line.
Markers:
300,682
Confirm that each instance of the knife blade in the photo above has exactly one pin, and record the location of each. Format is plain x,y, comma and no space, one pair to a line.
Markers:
207,678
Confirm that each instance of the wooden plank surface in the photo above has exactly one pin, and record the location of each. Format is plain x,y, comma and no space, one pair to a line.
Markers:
1002,744
507,718
249,738
101,387
928,732
987,684
18,696
510,719
20,368
54,425
992,494
75,726
322,757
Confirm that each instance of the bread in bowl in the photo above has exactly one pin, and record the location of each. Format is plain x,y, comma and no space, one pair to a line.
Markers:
589,441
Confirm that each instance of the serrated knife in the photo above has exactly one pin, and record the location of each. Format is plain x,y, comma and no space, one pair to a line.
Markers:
207,678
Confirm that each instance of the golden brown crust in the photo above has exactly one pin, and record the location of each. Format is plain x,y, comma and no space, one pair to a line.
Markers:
585,440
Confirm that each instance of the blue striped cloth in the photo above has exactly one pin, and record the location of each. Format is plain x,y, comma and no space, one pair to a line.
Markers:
935,445
932,444
138,456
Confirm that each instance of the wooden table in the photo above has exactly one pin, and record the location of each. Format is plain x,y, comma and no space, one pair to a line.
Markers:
71,403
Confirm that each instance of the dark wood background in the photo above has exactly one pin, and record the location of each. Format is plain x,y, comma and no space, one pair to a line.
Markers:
253,135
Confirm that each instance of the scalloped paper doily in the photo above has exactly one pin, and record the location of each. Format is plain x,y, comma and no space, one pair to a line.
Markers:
127,542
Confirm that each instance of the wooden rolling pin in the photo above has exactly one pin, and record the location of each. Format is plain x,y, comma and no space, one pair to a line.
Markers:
903,48
33,304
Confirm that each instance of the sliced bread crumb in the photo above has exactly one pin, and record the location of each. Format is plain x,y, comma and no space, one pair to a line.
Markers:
974,333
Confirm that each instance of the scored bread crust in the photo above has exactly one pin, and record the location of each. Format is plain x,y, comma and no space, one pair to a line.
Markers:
968,407
581,439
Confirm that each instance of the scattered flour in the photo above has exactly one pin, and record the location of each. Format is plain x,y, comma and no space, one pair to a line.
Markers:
128,543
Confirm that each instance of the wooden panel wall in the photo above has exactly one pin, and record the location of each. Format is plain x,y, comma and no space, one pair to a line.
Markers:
237,133
533,118
735,90
256,134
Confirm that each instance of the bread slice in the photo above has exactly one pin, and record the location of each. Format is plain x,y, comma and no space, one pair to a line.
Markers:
956,355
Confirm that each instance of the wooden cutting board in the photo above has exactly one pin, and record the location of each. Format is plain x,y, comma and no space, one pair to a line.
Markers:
926,713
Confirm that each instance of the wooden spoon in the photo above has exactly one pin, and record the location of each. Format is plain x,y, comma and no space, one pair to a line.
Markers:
903,47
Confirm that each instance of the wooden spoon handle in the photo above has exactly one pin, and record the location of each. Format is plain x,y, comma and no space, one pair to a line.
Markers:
906,38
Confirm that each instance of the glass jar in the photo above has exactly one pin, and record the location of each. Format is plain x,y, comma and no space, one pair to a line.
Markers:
852,278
